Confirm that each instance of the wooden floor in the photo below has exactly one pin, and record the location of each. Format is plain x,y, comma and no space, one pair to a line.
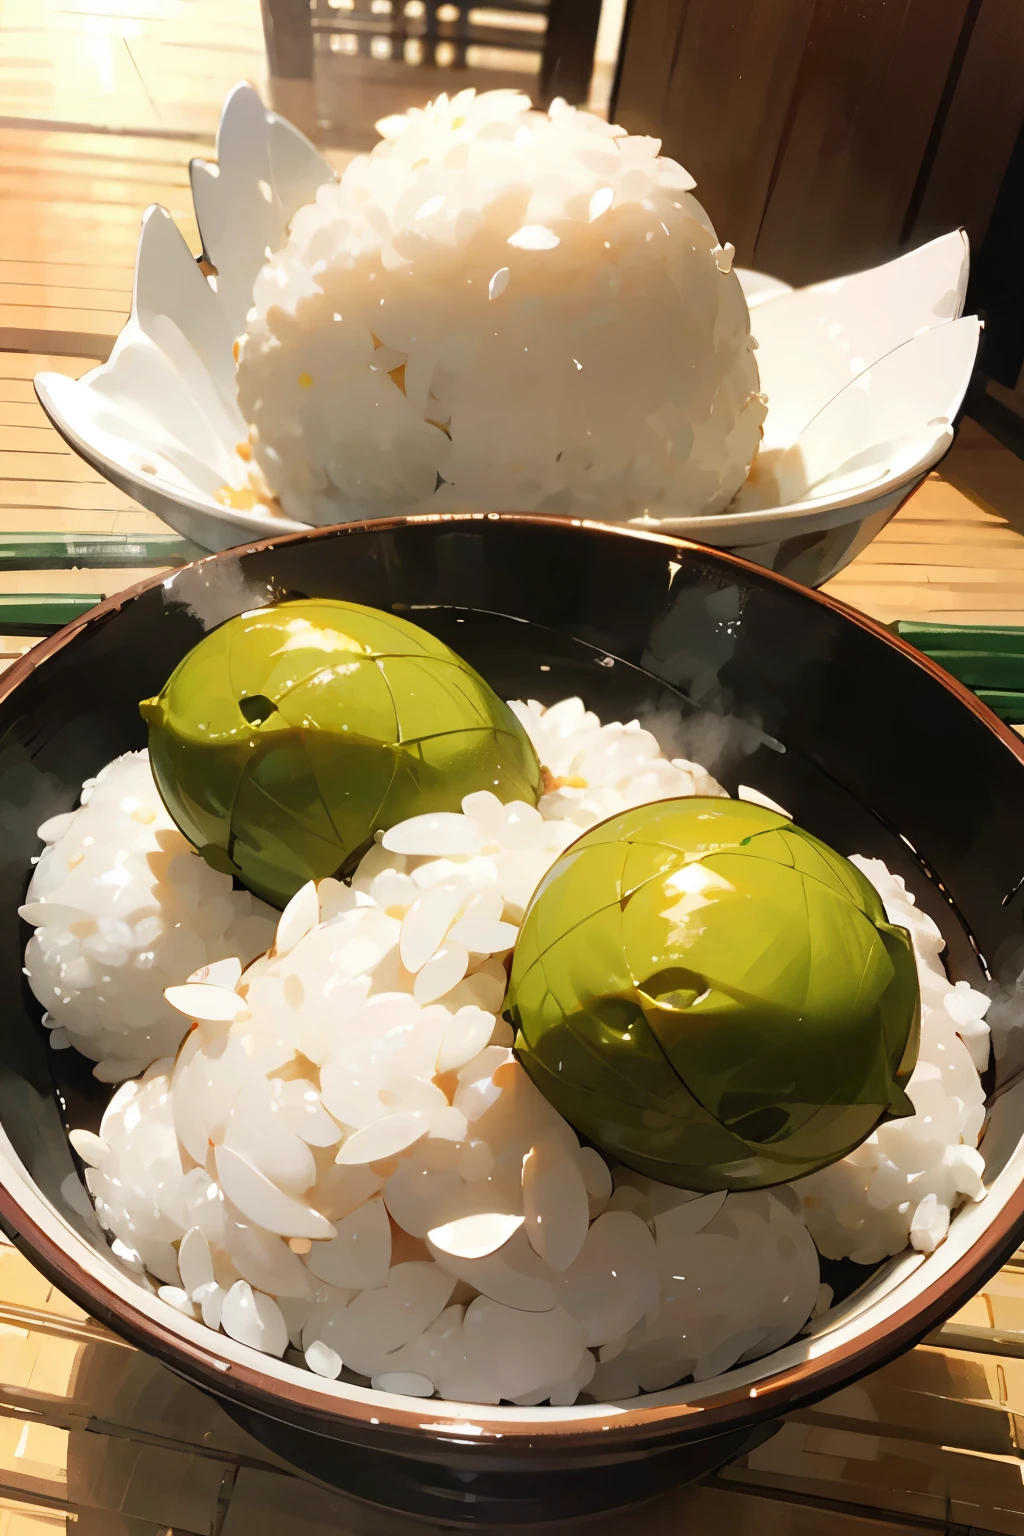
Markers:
102,102
156,67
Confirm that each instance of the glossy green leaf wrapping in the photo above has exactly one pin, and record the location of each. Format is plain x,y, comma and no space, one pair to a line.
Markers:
289,735
714,996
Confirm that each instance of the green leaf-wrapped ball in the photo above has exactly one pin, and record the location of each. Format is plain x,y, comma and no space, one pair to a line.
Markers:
714,996
289,735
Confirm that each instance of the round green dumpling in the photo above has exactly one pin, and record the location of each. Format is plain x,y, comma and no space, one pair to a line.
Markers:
713,996
291,734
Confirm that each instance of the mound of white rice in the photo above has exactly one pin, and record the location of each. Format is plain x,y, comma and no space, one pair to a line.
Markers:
344,1162
903,1183
123,907
501,309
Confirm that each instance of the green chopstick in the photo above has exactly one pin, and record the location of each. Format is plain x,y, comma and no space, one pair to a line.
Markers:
998,670
1008,704
934,638
987,658
43,613
81,551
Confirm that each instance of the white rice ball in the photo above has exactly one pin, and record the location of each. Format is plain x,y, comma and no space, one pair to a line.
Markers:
132,910
502,309
903,1183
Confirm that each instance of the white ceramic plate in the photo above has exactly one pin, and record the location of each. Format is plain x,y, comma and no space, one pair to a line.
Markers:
864,375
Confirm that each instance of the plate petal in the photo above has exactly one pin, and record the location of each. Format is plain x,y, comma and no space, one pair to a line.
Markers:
265,171
890,424
813,341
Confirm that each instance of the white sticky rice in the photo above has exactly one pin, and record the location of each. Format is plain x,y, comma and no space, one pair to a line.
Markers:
501,309
905,1181
122,908
344,1163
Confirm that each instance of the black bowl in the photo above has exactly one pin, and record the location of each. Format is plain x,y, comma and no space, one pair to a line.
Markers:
871,747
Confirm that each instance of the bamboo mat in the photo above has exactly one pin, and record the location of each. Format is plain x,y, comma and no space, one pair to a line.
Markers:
95,1438
955,551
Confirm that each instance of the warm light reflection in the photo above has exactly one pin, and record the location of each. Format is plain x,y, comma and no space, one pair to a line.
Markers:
534,237
519,61
511,21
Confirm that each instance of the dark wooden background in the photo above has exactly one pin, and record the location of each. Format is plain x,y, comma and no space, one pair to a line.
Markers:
826,135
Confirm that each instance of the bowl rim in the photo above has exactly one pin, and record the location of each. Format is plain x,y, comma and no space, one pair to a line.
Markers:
810,1379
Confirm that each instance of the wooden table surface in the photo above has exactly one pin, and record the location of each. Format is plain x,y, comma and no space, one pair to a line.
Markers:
97,1439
